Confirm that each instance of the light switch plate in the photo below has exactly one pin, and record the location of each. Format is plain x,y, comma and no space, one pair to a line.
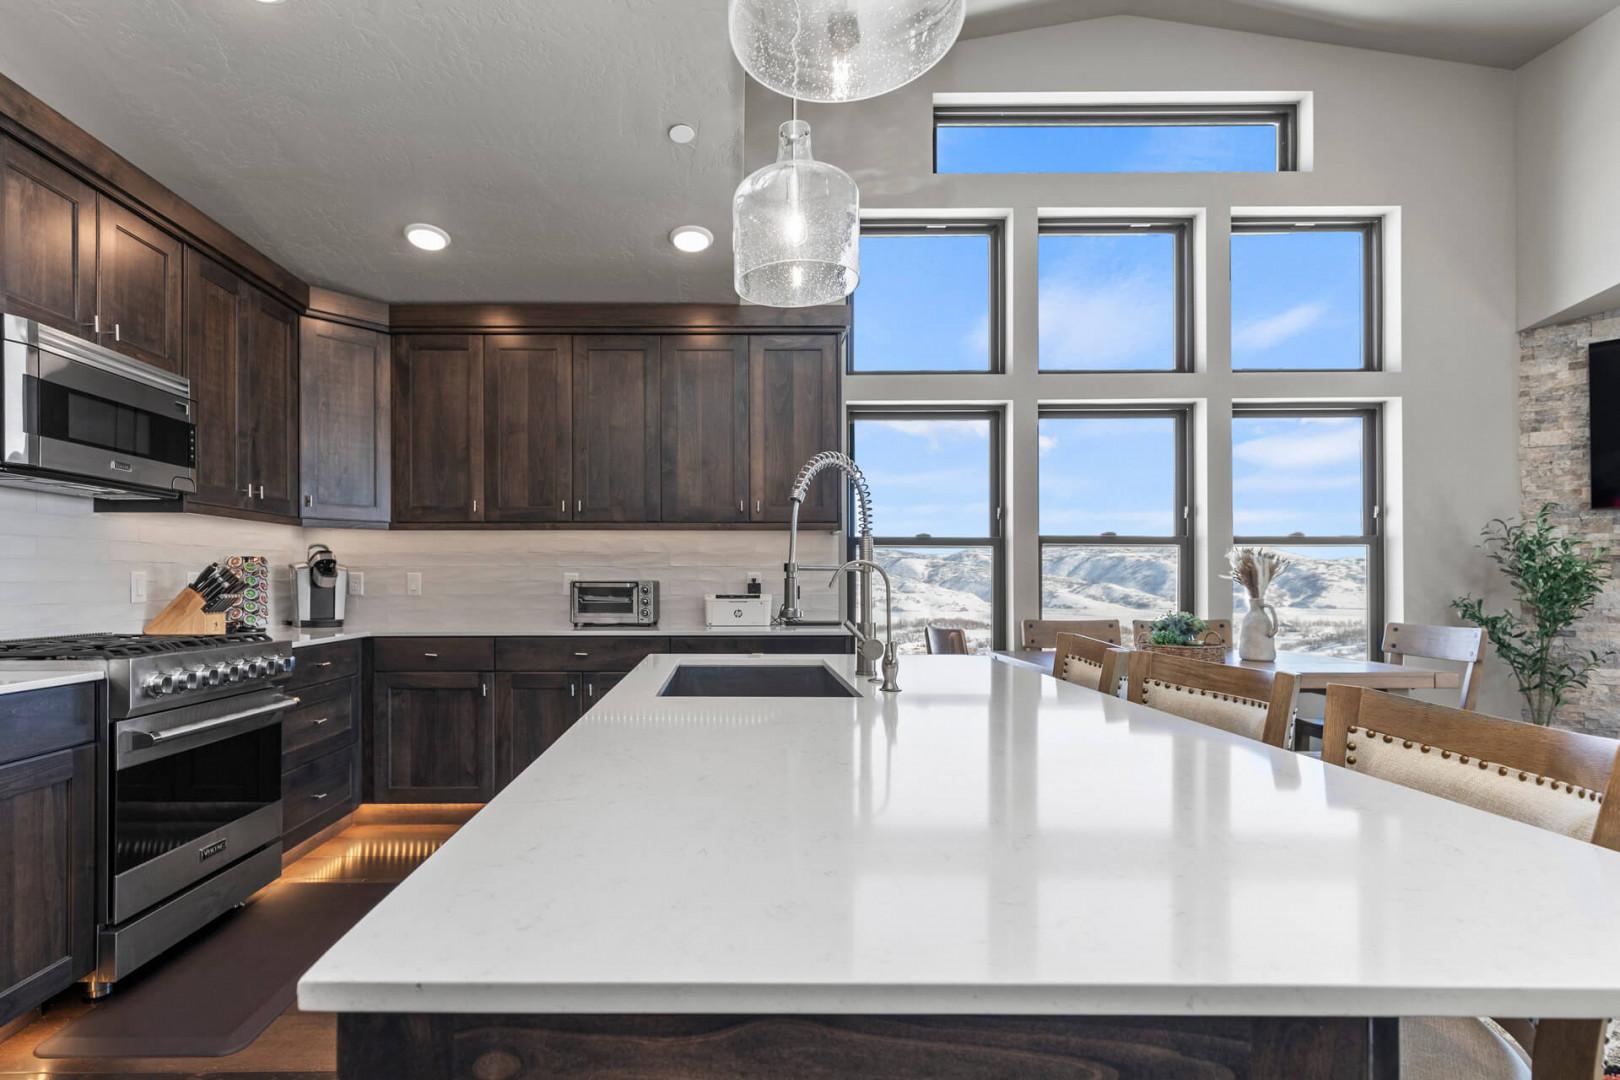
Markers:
357,583
137,586
413,583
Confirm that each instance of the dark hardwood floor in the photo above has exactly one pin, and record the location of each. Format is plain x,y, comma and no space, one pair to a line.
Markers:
384,844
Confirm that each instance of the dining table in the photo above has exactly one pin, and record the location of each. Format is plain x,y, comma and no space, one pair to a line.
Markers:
1315,671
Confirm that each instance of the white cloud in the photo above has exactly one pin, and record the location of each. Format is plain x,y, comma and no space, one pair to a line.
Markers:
936,432
1275,329
1120,322
1047,443
1314,444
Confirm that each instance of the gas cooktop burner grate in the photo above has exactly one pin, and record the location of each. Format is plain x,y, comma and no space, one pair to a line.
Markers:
117,646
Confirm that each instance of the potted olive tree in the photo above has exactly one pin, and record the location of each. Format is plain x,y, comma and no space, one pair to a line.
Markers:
1556,583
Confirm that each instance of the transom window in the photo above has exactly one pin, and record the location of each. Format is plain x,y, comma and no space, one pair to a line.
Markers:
1115,536
936,478
1115,138
1115,296
1306,482
1305,295
929,298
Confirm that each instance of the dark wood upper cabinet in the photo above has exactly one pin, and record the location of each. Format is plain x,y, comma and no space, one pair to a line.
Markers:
528,427
704,422
47,241
532,710
267,406
434,737
438,386
796,413
344,428
138,287
215,318
616,428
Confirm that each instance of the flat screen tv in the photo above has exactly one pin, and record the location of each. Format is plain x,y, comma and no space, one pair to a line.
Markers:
1604,365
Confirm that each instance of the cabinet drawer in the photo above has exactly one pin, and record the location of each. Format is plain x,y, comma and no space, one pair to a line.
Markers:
580,653
324,721
34,722
434,654
323,663
319,788
777,644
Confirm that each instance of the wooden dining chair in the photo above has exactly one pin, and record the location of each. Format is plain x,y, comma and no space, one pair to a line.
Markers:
1563,781
1090,662
1462,644
1222,627
946,641
1043,633
1254,702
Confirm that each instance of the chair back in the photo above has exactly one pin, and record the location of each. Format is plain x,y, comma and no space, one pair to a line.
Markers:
1043,633
1463,644
1090,662
1246,701
947,641
1221,627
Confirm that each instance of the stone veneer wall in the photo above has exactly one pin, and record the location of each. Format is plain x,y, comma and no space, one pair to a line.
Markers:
1555,467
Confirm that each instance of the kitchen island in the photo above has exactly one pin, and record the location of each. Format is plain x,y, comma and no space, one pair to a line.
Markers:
992,873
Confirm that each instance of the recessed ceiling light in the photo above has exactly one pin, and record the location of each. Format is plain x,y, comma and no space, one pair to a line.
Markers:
427,237
691,238
681,134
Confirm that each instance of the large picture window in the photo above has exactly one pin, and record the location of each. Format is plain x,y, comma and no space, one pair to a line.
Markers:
1305,295
1114,513
1306,482
938,523
929,298
1115,296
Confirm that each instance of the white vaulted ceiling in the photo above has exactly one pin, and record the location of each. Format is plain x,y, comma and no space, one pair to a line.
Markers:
533,130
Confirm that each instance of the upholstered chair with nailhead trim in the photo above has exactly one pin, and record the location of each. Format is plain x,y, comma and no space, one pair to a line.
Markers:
1252,702
1091,663
1043,633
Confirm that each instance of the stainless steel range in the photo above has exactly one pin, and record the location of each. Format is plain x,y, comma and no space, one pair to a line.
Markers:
190,810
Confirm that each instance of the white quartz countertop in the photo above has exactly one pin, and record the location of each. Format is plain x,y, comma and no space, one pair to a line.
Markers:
298,638
990,840
15,678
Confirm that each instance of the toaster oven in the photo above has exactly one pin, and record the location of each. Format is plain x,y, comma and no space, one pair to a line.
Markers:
613,603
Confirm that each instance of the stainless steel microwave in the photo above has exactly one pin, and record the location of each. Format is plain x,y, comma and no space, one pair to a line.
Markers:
614,603
81,419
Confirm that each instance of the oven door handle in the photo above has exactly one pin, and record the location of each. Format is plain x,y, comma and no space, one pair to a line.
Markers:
141,740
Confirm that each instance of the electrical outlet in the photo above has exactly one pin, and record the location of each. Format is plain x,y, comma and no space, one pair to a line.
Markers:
413,583
137,586
357,583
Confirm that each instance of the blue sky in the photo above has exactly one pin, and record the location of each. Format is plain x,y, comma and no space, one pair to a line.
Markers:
1108,302
1297,474
1146,148
923,304
1134,496
928,476
1296,300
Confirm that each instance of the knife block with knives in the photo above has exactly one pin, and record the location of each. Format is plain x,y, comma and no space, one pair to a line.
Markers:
199,608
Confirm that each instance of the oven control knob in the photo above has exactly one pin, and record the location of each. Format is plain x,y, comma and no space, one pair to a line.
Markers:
283,665
157,685
646,590
237,671
217,674
195,678
258,667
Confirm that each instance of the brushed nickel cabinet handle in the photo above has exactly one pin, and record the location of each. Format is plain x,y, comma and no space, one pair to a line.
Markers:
322,720
319,797
742,507
579,506
756,506
475,506
324,663
582,653
117,332
95,323
309,500
431,655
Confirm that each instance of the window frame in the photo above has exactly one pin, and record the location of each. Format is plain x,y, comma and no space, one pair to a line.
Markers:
1284,115
1183,541
992,228
1372,502
1372,282
995,539
1181,230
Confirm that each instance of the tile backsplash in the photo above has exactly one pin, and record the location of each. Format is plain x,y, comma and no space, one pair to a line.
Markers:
66,569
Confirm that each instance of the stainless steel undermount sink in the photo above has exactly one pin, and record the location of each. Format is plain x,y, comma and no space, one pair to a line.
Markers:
756,680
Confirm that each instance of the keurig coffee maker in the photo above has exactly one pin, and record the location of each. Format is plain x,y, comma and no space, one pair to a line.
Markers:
321,586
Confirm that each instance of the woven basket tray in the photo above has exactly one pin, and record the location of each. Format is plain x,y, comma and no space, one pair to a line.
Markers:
1211,649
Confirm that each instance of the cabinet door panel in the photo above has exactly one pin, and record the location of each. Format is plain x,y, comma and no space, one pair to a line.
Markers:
705,429
616,428
267,406
434,737
215,319
438,428
138,288
47,241
796,414
47,876
532,710
344,410
594,685
528,422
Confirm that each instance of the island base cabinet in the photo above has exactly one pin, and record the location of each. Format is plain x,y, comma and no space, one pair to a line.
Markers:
434,737
809,1047
47,876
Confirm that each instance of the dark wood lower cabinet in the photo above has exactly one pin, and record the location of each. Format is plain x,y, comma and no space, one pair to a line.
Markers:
532,710
47,876
320,747
433,737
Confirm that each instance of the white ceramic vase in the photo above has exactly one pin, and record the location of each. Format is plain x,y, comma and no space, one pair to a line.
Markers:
1257,634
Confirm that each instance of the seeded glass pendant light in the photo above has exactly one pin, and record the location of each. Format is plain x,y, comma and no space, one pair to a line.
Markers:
841,50
796,228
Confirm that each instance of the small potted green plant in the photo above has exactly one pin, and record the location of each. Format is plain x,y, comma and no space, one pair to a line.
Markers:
1184,634
1556,583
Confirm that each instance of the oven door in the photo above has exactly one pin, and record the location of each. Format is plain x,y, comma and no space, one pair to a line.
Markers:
604,602
194,790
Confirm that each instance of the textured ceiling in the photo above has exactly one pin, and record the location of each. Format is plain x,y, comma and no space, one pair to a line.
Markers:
533,130
1499,33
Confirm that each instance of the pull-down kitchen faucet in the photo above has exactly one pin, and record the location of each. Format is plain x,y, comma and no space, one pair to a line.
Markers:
867,647
891,660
